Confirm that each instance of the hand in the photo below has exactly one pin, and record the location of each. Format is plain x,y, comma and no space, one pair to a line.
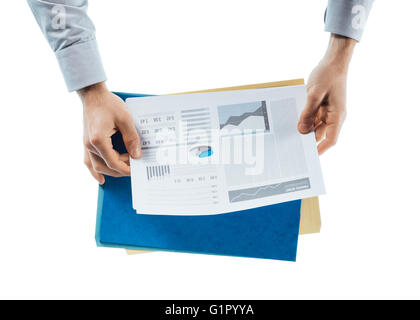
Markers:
325,109
104,114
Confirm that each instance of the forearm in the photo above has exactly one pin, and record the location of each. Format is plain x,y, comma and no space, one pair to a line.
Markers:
92,92
339,52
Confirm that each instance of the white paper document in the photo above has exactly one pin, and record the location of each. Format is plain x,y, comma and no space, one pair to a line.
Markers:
220,152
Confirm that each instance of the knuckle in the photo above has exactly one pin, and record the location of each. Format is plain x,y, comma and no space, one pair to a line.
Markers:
124,117
86,143
344,115
114,174
95,139
95,167
112,165
131,140
313,96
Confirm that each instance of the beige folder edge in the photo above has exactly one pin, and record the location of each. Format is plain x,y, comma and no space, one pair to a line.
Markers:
310,216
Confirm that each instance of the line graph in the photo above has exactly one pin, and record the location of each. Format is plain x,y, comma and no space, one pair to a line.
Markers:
268,190
244,116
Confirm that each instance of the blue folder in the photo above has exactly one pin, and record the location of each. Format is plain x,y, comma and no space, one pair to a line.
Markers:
269,232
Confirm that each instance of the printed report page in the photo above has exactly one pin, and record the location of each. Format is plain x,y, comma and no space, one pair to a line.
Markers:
220,152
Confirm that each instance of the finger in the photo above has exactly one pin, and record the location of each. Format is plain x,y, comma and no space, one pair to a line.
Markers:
320,117
125,157
130,136
109,155
90,147
101,167
320,131
331,136
308,115
99,177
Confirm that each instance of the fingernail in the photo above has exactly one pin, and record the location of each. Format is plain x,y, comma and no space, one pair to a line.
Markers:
303,127
137,152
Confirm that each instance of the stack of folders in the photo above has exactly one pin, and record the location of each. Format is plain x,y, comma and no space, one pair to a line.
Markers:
222,172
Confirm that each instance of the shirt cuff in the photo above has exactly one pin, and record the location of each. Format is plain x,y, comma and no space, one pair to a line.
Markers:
347,17
81,65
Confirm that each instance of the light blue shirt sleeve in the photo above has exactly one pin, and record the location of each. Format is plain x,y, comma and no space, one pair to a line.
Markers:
347,17
71,35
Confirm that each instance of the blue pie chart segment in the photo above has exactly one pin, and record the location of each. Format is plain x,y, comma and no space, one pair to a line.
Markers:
206,153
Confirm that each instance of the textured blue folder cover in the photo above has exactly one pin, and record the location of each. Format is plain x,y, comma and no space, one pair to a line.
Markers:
269,232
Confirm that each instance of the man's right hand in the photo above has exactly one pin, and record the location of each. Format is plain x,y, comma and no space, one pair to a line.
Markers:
104,114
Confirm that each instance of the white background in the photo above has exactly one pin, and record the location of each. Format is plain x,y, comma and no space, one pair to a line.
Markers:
369,244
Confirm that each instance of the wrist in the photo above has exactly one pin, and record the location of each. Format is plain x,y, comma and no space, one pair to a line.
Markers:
92,91
339,52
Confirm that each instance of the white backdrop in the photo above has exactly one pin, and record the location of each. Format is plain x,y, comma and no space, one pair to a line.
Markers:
369,244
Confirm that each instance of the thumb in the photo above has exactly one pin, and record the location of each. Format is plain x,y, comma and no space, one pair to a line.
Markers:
130,137
307,117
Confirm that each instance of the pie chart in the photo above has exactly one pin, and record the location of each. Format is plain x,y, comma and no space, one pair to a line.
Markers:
202,151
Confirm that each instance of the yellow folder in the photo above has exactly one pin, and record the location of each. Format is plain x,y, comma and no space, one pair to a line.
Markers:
310,217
